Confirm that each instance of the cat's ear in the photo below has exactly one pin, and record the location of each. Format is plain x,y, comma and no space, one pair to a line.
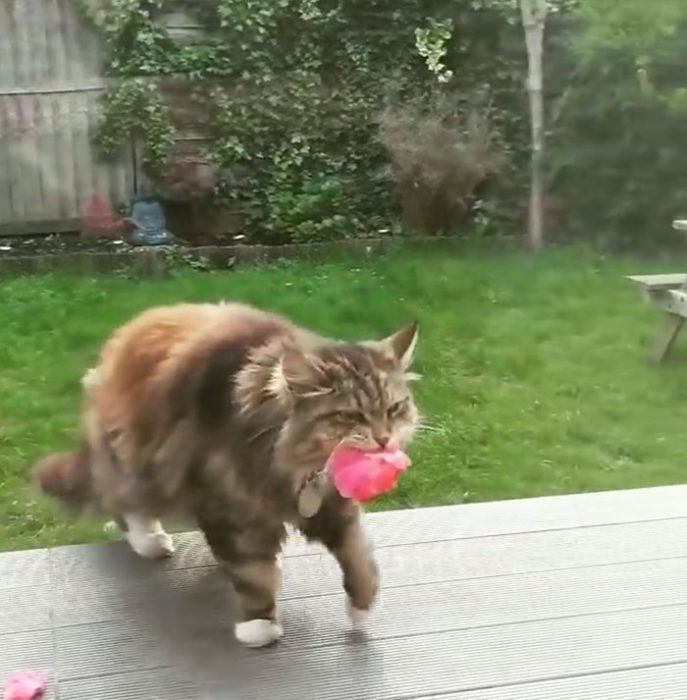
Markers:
401,345
295,373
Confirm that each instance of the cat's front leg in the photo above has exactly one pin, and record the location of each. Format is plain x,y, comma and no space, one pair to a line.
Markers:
145,535
338,526
250,558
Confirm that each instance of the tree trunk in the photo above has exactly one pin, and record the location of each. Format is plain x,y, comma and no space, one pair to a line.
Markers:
534,20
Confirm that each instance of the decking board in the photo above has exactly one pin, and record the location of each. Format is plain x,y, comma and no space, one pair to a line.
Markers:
566,598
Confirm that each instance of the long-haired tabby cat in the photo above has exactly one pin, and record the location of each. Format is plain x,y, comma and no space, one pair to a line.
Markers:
226,412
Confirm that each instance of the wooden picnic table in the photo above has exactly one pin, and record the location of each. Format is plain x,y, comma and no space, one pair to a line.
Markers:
668,294
578,597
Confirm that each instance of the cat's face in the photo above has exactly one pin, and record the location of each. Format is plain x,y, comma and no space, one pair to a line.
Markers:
353,392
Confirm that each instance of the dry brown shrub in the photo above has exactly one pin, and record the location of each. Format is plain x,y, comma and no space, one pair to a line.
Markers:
441,154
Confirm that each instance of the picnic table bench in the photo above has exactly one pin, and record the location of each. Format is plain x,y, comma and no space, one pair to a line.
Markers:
668,294
560,598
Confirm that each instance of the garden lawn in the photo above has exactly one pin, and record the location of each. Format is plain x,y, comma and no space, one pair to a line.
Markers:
535,376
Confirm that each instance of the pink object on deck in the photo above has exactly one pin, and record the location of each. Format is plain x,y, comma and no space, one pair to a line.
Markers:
24,685
363,475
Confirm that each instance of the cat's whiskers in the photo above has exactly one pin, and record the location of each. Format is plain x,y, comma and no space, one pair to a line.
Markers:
424,427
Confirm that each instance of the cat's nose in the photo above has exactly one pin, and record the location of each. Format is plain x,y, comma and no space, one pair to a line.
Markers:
382,440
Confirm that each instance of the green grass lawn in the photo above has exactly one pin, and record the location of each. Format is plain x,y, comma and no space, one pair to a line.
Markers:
535,377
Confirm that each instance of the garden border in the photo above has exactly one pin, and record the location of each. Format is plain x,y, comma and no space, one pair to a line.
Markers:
151,261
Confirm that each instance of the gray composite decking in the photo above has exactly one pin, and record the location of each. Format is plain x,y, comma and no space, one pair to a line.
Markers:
574,597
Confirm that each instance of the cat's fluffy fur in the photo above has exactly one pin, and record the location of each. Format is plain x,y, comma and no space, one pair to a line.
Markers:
223,412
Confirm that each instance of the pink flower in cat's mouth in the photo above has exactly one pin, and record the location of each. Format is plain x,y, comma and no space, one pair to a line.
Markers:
362,475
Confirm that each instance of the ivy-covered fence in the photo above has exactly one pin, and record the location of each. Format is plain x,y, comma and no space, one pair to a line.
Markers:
314,120
288,95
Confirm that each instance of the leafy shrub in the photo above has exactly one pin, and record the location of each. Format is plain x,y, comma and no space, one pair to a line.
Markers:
314,212
441,156
619,129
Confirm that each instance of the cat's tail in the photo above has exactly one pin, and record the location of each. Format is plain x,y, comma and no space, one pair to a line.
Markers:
66,476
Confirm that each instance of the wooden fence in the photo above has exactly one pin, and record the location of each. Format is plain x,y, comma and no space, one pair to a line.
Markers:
50,82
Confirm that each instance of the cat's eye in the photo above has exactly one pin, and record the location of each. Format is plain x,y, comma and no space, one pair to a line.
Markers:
397,407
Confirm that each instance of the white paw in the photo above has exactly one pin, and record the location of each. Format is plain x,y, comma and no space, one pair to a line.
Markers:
258,633
90,379
151,545
356,615
111,528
